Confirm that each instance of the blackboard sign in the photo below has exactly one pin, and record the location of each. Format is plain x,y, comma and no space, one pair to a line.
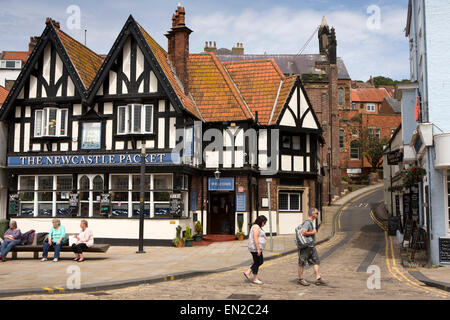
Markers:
444,250
406,205
13,204
175,204
408,230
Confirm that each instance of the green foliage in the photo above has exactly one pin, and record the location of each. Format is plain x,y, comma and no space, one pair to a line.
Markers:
385,81
188,234
240,222
357,118
176,241
198,227
372,148
178,232
239,234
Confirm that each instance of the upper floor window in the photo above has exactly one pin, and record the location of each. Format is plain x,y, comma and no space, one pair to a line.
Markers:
50,122
375,132
10,64
371,107
353,106
341,96
341,138
135,118
354,150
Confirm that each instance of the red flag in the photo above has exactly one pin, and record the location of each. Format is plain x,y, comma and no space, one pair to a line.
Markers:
417,109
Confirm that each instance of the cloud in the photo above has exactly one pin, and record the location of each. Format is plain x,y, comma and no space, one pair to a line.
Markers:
366,52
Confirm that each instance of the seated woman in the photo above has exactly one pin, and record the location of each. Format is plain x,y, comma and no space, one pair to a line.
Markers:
12,238
56,238
85,239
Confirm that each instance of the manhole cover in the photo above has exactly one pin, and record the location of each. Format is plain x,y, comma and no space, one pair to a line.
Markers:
99,294
241,296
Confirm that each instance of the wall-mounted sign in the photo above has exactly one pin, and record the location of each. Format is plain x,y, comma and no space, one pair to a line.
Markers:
92,160
241,202
222,184
91,134
265,202
394,157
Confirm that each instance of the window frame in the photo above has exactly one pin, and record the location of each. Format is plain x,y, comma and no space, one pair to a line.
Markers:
352,148
289,193
44,125
370,107
130,124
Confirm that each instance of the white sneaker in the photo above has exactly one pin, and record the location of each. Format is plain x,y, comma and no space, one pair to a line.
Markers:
43,259
55,260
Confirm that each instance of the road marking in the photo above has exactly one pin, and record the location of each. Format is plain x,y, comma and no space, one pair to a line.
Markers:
61,290
49,290
394,267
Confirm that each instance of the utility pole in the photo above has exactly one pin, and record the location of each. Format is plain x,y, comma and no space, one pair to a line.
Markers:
141,201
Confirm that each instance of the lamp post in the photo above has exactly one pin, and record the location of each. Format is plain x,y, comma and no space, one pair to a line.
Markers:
141,201
329,176
269,180
217,174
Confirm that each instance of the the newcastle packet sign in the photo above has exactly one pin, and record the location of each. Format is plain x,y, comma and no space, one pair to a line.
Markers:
92,160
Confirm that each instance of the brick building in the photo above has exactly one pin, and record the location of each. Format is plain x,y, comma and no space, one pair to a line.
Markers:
328,85
372,109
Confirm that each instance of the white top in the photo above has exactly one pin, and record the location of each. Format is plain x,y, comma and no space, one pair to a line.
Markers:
87,237
261,239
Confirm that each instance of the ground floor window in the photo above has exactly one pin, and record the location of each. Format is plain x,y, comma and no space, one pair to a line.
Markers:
290,201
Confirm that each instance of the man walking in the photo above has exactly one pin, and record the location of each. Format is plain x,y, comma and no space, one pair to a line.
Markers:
309,254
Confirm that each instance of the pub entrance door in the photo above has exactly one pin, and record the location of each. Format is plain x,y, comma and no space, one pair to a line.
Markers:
221,213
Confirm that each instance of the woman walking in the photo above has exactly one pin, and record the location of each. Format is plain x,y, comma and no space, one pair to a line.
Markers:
256,243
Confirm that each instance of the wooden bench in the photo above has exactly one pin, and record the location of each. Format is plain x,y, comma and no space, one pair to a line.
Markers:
101,248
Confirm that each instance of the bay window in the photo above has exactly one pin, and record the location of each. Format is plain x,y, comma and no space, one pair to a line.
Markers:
135,119
50,122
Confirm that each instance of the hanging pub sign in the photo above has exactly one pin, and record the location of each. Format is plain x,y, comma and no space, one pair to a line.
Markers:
394,157
13,204
175,204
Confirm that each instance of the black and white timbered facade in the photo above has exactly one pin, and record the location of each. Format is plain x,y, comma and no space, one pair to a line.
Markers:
77,123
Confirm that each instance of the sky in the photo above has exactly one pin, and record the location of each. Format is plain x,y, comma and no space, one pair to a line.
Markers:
370,33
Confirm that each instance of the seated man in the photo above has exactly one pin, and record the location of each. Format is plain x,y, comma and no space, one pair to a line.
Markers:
12,238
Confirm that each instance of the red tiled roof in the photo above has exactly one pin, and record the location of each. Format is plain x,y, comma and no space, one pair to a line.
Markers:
258,82
3,94
369,94
389,89
161,56
15,55
86,62
282,97
212,88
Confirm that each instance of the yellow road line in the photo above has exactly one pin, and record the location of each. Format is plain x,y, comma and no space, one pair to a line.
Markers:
60,289
394,267
50,290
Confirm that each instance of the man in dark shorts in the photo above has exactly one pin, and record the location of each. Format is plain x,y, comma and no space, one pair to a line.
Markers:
309,254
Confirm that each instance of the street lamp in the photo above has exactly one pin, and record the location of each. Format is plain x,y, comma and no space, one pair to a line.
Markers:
217,174
141,200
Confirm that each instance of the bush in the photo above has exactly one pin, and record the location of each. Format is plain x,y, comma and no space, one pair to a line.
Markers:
198,227
188,234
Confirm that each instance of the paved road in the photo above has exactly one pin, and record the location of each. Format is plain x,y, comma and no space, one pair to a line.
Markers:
358,244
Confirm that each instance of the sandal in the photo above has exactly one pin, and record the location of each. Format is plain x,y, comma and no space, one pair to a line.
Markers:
80,260
76,259
258,282
247,277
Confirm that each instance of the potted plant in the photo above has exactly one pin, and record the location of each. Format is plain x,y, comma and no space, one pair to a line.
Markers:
188,236
240,234
178,241
198,231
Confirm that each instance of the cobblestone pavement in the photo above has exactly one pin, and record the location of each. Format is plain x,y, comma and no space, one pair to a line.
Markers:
358,244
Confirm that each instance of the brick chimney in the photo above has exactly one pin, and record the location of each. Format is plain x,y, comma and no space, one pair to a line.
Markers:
32,44
238,50
178,46
210,47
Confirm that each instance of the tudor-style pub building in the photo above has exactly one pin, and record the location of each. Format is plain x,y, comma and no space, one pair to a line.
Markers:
77,123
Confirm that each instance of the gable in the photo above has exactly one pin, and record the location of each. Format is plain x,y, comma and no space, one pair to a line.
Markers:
297,110
131,72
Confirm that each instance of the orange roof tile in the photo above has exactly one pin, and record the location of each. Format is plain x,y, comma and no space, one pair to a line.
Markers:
3,94
161,56
215,93
86,62
369,94
286,88
258,82
15,55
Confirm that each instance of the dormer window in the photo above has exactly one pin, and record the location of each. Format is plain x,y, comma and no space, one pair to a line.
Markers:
50,122
135,119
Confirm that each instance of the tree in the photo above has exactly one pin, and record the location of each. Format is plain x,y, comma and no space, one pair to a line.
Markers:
372,148
385,81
